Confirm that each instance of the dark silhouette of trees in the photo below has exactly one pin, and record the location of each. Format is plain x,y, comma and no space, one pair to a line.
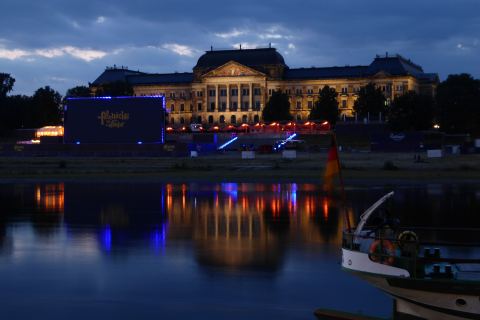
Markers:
277,108
458,104
114,89
46,107
6,84
411,111
326,108
79,91
370,101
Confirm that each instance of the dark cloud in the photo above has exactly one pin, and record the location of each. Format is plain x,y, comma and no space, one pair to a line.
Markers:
66,43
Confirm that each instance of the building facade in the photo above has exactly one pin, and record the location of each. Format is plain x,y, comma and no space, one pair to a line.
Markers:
233,86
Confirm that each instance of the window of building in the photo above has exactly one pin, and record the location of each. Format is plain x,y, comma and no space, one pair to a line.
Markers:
199,119
182,95
299,104
199,93
199,106
257,91
245,105
182,107
223,106
211,93
172,107
223,92
299,117
310,91
222,119
244,118
270,91
344,89
212,106
172,95
256,118
234,106
234,92
233,119
310,104
182,120
344,103
257,105
191,107
210,119
245,92
298,91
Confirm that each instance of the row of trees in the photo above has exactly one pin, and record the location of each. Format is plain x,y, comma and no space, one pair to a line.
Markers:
456,106
44,107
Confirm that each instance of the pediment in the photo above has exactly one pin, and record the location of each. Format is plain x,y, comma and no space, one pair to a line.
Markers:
233,69
381,74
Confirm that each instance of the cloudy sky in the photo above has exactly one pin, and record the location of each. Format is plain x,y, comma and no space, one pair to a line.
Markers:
64,43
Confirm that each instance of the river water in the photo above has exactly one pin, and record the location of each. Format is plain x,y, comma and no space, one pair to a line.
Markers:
78,250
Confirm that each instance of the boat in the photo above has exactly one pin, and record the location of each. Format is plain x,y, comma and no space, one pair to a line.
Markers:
429,278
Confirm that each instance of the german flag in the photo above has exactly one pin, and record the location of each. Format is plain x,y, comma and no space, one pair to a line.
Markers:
332,168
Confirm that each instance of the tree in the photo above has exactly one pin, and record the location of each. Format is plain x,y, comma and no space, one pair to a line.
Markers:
411,112
79,91
458,104
326,108
6,84
46,104
370,101
115,89
277,108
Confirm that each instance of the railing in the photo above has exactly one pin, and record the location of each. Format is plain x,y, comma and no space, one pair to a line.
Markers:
422,259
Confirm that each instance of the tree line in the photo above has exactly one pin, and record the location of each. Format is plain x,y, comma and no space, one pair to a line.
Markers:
455,107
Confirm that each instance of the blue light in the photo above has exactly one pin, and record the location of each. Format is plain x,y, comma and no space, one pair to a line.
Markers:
281,144
78,142
139,142
107,238
227,143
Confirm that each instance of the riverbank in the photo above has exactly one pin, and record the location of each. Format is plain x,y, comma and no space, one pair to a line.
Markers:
308,167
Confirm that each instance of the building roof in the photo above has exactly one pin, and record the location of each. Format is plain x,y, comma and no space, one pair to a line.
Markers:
248,57
394,65
325,73
115,74
163,78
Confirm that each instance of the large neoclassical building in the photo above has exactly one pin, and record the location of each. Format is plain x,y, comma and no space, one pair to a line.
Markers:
233,86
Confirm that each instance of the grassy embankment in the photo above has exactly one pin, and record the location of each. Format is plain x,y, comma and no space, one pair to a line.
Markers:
230,167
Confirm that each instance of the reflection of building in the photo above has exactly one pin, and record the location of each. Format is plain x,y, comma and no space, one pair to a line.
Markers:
233,86
50,197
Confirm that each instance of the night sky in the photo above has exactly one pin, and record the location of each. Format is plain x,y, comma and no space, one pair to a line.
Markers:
68,43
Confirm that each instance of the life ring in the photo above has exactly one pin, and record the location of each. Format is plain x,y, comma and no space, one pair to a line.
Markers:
382,251
406,239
